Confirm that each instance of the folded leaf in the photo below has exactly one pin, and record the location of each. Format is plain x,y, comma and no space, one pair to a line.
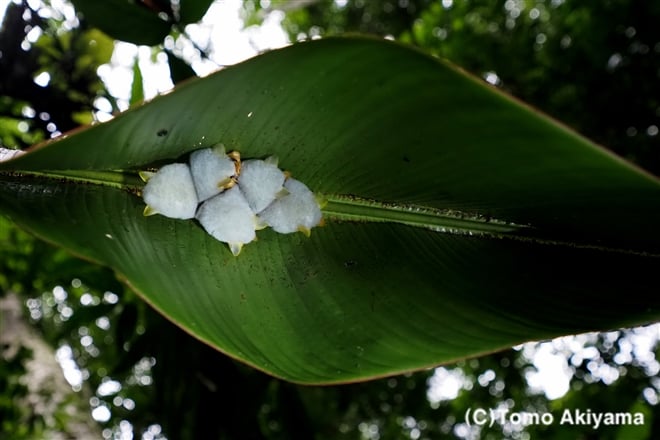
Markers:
458,221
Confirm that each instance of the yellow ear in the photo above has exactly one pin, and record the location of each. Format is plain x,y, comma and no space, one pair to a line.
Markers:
226,183
282,193
148,210
236,157
146,175
219,149
273,160
235,248
321,200
259,224
305,231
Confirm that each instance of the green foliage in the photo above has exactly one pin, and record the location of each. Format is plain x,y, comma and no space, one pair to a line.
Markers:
145,23
13,414
137,87
330,17
28,111
70,56
179,70
71,60
591,65
583,62
128,21
159,366
139,22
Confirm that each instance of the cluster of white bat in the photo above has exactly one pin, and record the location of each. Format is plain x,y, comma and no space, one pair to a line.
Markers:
230,198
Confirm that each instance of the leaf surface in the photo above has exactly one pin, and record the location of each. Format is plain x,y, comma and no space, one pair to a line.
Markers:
458,222
192,11
124,20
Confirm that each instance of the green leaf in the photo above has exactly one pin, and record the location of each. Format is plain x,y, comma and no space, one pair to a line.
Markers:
640,424
179,69
458,222
137,87
124,20
192,11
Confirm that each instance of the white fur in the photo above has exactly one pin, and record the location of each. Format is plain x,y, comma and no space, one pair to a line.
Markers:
260,181
228,218
262,196
171,192
297,211
210,168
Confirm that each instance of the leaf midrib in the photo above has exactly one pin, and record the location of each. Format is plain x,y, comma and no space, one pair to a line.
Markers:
125,180
351,208
341,207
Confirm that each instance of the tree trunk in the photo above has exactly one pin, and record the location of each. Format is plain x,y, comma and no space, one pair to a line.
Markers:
50,404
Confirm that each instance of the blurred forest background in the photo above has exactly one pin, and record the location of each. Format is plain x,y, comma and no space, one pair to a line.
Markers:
84,357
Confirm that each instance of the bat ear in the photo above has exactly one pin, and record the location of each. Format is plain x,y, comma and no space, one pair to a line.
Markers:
148,210
306,231
259,224
219,149
235,248
282,193
146,175
272,160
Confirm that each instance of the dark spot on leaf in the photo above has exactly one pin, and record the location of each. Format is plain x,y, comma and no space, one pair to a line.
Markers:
349,264
162,132
406,159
